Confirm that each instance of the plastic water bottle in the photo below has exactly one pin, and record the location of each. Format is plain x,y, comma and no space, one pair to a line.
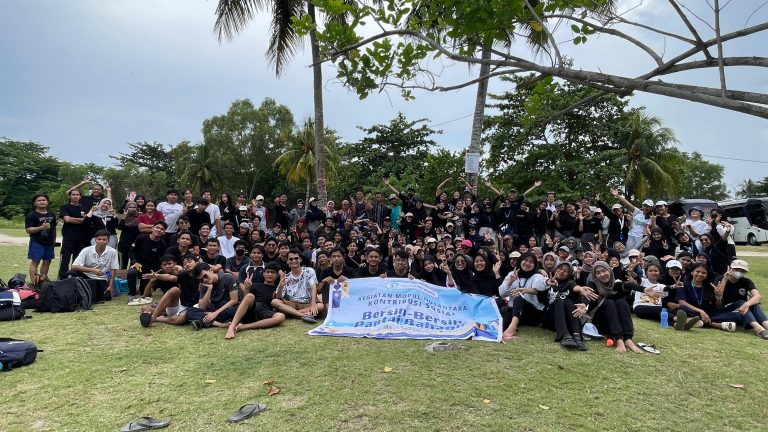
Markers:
664,318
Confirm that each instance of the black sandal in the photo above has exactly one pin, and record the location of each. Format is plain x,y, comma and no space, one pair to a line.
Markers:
145,423
245,412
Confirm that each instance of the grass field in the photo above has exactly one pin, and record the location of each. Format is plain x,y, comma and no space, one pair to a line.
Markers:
100,369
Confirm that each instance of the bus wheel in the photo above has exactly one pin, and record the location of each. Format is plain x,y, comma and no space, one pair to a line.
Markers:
752,240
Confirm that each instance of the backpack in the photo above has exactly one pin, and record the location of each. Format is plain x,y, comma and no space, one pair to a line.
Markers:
10,306
29,297
65,295
16,281
14,352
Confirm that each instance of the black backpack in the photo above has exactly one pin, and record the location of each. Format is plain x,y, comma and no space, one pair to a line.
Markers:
65,295
14,352
17,281
10,306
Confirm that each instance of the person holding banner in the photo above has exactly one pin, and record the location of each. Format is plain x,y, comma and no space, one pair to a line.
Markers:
373,269
297,291
336,272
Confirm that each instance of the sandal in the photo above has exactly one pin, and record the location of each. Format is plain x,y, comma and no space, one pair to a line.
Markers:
245,412
763,334
145,423
648,348
728,326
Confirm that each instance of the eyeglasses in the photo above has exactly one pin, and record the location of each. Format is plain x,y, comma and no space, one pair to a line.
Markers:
294,259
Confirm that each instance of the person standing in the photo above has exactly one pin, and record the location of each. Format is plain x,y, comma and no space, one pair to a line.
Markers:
171,210
74,233
40,224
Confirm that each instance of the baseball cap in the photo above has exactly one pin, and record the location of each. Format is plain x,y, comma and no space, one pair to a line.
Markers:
430,240
259,197
312,199
243,224
514,254
466,243
633,252
392,196
615,206
564,249
242,208
740,264
449,224
648,202
598,210
660,203
674,264
409,214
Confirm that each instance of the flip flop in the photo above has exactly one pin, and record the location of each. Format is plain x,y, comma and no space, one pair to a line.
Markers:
648,348
245,412
145,423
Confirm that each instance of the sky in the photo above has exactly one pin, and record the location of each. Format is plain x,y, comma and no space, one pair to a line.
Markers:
86,77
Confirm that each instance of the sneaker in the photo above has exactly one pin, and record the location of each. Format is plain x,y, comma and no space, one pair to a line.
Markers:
693,322
568,342
145,300
134,300
728,326
680,319
145,319
580,345
196,324
309,319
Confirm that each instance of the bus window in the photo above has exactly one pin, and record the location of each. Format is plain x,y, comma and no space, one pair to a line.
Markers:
757,215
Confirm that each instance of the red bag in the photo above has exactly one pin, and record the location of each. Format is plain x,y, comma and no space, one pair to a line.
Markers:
29,297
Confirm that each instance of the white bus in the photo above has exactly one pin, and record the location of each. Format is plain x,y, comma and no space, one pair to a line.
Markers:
749,218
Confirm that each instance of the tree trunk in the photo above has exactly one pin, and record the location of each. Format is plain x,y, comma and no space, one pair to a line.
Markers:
475,140
317,76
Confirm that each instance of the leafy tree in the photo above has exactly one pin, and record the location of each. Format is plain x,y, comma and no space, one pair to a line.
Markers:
701,179
400,52
200,168
27,169
155,158
646,155
750,188
534,137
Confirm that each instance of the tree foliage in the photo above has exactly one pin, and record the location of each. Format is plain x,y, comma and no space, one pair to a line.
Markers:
27,169
702,179
751,188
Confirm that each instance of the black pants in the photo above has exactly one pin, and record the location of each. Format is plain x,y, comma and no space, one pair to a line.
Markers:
614,319
649,312
559,317
98,286
70,249
132,276
126,258
524,311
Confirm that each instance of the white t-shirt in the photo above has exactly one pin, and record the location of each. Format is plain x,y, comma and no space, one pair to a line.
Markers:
536,281
299,288
171,213
638,224
643,299
214,211
105,262
227,246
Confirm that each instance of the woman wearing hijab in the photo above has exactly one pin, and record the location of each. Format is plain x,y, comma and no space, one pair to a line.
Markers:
486,275
658,246
548,263
716,251
129,230
522,287
582,274
608,308
563,307
103,217
462,274
430,273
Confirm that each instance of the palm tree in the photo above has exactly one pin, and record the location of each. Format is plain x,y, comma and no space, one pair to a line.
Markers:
199,170
299,162
647,156
232,16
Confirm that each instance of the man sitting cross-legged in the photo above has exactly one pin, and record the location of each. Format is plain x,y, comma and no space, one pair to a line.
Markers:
172,307
296,294
164,279
218,298
255,311
98,264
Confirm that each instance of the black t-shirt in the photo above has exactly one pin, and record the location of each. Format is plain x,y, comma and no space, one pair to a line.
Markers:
256,271
189,289
217,260
345,271
196,220
263,292
35,219
89,201
363,272
568,224
231,265
393,274
281,216
592,226
164,286
735,291
353,262
70,231
220,290
148,252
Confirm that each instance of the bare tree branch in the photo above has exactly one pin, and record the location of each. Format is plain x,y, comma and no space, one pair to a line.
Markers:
546,32
690,26
720,66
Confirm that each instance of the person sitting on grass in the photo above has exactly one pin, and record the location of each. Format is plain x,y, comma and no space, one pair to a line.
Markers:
211,255
218,298
236,263
254,269
148,248
337,271
164,279
40,224
700,298
372,267
255,311
522,286
740,289
297,292
172,307
563,308
97,264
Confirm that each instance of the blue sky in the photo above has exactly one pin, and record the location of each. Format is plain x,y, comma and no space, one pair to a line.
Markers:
87,77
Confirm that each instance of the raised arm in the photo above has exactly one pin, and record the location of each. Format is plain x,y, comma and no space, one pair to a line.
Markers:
496,191
536,184
392,188
439,189
82,183
630,207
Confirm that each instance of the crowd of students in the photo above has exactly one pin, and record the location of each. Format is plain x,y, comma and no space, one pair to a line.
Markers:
572,267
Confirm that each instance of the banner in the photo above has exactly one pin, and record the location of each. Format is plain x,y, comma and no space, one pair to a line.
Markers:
395,308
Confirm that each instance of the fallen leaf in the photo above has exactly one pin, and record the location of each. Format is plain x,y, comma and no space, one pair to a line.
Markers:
737,385
387,369
210,381
269,382
273,390
486,401
544,407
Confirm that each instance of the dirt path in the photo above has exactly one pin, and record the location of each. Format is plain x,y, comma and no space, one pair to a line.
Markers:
6,240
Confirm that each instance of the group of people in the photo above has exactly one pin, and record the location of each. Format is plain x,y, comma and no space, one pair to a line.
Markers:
572,267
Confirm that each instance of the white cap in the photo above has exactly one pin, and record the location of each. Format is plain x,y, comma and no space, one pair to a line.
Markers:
633,252
660,203
674,264
259,197
615,206
648,202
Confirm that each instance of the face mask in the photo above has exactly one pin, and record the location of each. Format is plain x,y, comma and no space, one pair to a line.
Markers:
737,275
240,252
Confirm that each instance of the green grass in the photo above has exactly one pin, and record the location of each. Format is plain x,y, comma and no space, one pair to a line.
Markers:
100,369
14,232
17,223
761,248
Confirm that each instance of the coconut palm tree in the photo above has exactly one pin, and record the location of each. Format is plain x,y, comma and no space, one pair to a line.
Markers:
299,161
232,16
199,170
646,156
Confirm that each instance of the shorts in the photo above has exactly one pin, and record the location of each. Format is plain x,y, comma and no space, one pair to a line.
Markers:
259,311
296,305
39,252
172,311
